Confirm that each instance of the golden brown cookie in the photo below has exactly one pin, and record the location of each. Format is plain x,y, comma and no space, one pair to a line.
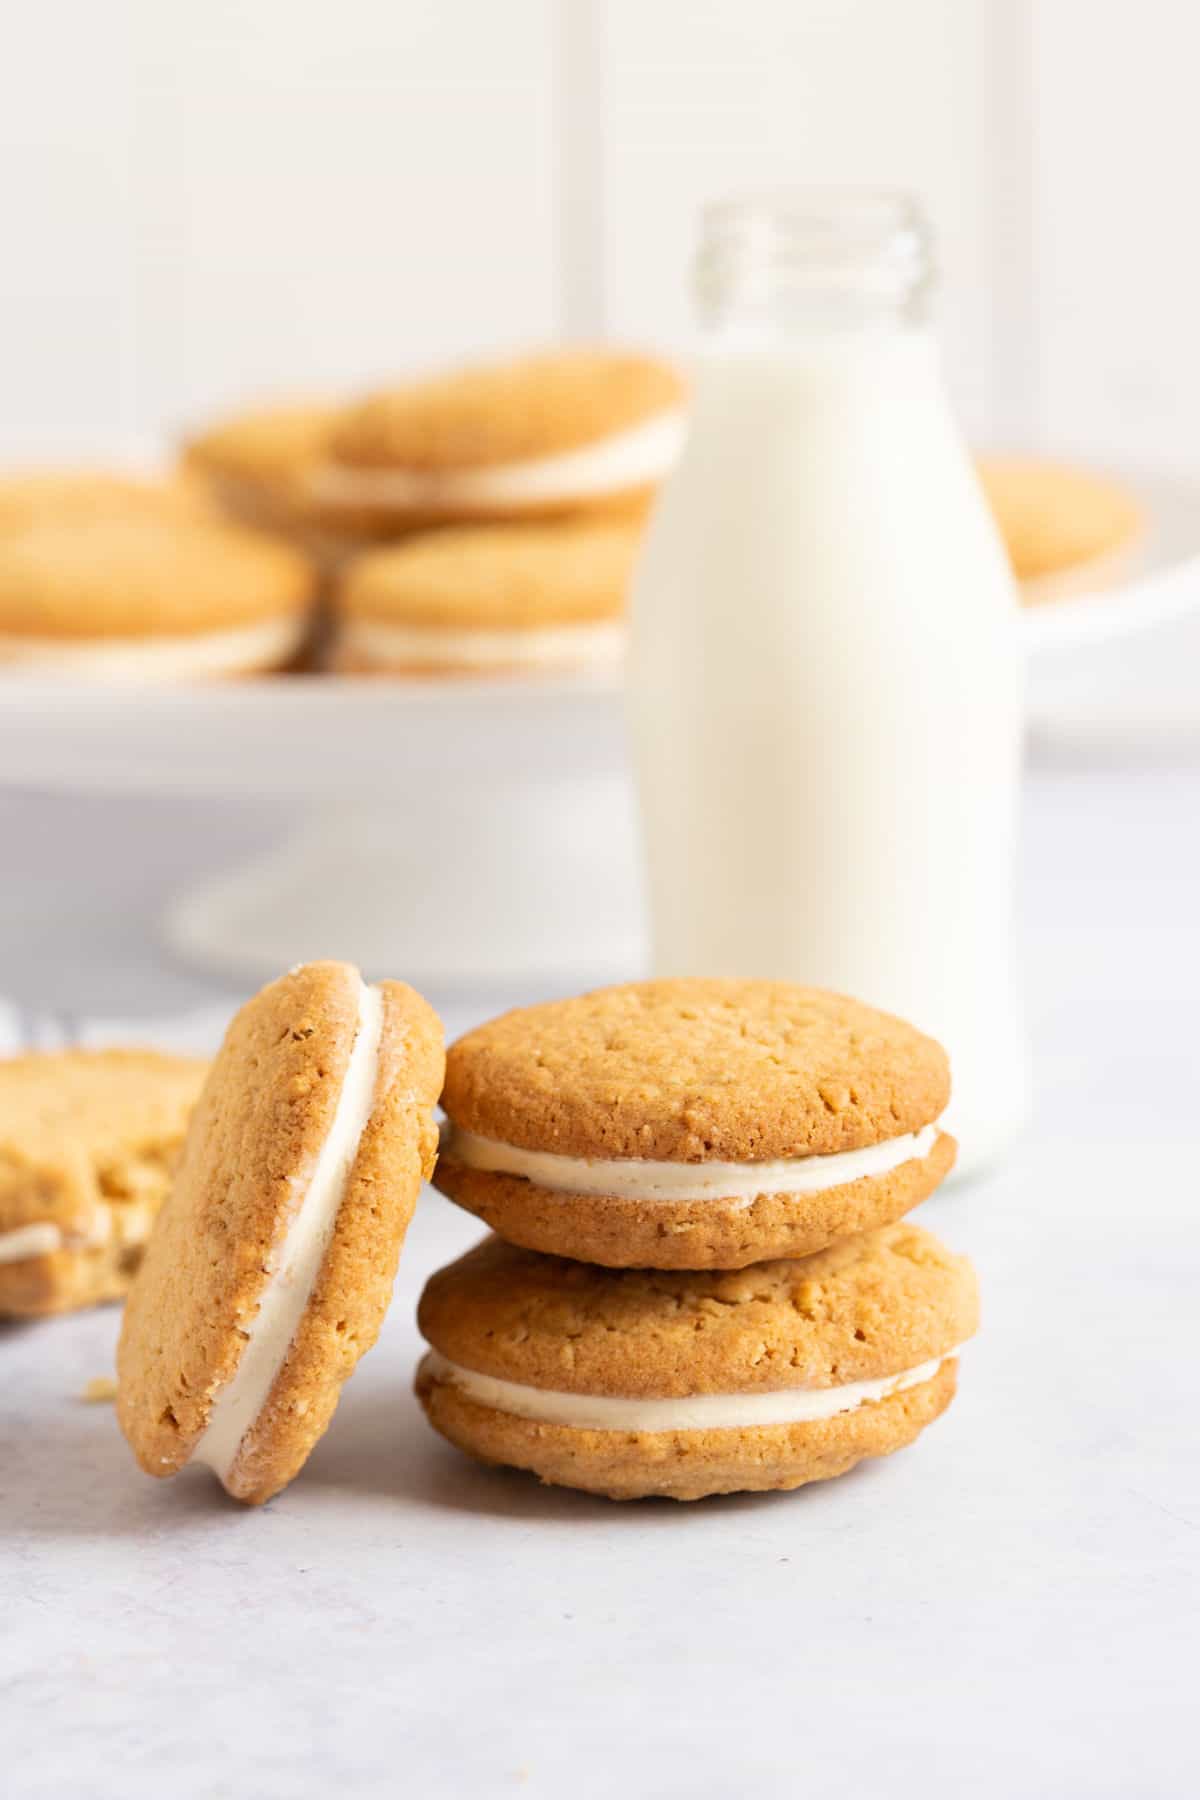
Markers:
475,599
272,1265
149,599
88,1140
560,432
59,496
258,467
693,1124
635,1382
1058,521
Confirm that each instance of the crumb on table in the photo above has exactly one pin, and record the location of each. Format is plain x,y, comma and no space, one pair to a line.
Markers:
101,1390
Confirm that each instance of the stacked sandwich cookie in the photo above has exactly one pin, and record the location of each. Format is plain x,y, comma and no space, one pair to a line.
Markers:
482,520
701,1281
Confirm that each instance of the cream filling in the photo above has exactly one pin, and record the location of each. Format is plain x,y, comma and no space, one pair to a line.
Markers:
467,648
258,646
627,460
630,1178
30,1240
293,1265
698,1412
44,1238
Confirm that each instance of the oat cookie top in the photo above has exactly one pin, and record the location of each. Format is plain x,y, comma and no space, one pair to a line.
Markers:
498,577
696,1071
130,576
867,1307
508,412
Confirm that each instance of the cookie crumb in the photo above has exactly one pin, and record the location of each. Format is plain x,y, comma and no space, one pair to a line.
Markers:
101,1390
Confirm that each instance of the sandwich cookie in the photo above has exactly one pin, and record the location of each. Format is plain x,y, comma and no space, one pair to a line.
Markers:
479,599
149,599
1064,528
258,466
630,1382
693,1124
561,432
88,1142
272,1265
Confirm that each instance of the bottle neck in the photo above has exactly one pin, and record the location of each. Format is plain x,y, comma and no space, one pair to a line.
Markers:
812,262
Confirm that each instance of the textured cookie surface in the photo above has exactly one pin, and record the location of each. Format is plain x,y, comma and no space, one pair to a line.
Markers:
144,576
695,1071
1053,516
262,1119
888,1302
622,1232
88,1141
867,1307
500,577
511,412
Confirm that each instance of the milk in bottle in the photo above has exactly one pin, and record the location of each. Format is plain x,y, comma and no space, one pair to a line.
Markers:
825,668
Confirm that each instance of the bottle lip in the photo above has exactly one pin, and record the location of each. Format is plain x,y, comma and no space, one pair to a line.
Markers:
873,210
866,251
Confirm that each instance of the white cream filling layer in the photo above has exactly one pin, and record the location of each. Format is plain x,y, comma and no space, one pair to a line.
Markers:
295,1263
30,1240
468,648
699,1412
634,1179
627,460
44,1238
258,646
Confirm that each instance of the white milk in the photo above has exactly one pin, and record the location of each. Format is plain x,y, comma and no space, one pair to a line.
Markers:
825,692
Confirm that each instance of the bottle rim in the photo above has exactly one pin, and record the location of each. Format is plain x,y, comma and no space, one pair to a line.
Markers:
864,250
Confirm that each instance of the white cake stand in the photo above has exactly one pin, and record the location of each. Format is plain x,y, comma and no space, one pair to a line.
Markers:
466,832
460,831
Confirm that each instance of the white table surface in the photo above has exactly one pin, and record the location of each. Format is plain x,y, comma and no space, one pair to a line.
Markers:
1008,1609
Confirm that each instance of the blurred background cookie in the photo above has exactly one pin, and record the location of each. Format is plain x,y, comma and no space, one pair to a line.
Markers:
150,598
88,1141
1061,524
257,465
487,599
559,432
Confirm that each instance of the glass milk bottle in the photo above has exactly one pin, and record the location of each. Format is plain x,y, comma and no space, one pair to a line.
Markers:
825,667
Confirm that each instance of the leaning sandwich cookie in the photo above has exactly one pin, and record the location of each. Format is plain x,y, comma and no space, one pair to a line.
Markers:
271,1268
693,1124
478,600
631,1383
88,1143
564,431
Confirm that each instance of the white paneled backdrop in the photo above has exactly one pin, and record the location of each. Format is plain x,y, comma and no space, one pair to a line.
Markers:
203,201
